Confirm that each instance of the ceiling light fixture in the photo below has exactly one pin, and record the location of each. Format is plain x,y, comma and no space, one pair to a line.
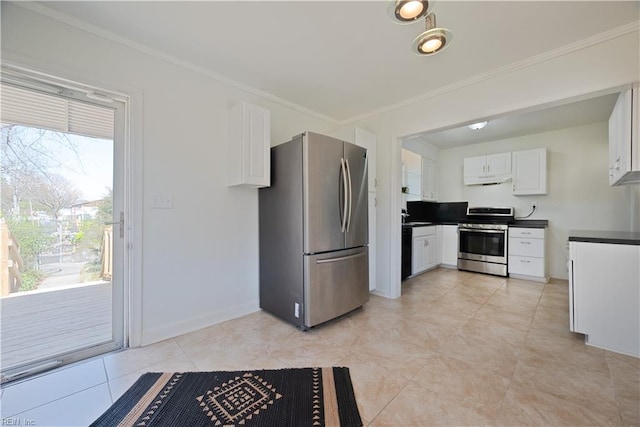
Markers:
433,40
407,11
477,126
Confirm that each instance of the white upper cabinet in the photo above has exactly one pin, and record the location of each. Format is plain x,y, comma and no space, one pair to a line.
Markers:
624,125
530,172
429,180
249,146
494,168
412,175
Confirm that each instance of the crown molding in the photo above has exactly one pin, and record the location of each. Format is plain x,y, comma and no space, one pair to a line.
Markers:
124,41
596,39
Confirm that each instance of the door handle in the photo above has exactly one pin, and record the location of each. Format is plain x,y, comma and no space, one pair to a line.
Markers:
340,258
346,162
120,223
343,170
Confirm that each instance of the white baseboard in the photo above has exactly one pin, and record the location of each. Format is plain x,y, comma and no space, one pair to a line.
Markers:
184,326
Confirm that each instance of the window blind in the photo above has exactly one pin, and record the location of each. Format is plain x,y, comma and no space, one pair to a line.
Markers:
35,109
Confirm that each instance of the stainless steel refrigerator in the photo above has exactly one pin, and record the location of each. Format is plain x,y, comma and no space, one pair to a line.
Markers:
314,263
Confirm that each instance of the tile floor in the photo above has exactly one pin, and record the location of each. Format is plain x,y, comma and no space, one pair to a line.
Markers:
456,349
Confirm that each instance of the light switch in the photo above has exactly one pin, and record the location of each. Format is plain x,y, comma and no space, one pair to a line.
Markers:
161,201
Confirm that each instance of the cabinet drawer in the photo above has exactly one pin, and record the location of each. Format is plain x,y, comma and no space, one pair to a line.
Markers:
424,231
526,266
526,247
530,233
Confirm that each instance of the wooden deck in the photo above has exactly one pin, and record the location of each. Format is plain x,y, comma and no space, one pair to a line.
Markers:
40,324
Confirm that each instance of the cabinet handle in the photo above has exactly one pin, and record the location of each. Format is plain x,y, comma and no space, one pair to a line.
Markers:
525,243
525,261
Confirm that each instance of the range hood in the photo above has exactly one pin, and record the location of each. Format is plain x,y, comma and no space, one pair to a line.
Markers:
486,180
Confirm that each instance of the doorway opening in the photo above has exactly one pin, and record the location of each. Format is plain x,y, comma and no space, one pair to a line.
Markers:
62,230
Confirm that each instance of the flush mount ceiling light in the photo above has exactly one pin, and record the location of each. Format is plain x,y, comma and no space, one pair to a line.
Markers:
407,11
477,126
433,40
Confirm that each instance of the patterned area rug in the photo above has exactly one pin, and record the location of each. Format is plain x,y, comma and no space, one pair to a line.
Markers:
283,397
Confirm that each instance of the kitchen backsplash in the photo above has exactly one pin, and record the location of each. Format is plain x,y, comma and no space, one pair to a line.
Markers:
437,212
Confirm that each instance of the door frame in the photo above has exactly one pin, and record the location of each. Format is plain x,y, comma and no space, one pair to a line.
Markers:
132,161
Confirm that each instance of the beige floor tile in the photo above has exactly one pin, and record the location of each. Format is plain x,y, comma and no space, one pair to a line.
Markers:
551,318
451,275
517,320
513,302
486,345
625,374
135,359
542,347
417,406
584,387
374,386
305,350
119,385
460,380
526,406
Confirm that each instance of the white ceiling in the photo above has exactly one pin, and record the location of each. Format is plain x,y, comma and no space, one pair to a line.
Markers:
342,59
572,114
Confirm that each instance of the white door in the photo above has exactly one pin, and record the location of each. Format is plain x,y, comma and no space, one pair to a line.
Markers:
62,228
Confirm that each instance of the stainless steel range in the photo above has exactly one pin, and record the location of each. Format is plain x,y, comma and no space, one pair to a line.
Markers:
483,240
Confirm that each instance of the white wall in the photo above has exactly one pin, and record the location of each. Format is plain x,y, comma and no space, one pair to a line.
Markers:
578,194
575,71
199,260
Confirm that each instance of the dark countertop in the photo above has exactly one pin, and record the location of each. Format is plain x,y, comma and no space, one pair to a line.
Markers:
530,223
612,237
523,223
418,224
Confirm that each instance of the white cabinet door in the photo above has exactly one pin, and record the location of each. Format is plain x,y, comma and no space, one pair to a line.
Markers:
623,139
530,172
494,168
438,244
431,251
498,164
450,245
605,289
424,254
429,180
412,161
475,166
249,145
419,254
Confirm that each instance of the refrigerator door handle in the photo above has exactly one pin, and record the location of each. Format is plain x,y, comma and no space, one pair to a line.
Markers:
343,220
350,193
340,258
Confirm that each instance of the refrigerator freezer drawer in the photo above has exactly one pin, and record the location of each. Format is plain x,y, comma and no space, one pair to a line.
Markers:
335,283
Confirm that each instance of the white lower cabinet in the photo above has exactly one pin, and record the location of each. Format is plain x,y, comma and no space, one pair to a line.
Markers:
604,295
424,249
527,254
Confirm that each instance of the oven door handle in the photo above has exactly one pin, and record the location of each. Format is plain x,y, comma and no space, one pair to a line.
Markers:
482,230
